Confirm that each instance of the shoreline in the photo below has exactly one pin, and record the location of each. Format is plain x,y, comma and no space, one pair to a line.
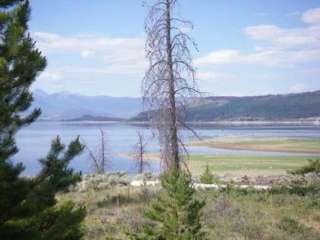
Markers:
294,122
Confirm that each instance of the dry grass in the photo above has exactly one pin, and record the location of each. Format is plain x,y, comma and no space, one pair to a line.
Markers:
112,211
232,214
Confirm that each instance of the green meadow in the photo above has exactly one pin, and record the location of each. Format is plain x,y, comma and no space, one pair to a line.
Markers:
239,165
303,146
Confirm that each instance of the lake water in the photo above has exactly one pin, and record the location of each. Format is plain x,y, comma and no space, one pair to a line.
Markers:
34,141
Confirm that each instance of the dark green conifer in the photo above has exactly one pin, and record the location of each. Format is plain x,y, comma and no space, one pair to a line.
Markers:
28,207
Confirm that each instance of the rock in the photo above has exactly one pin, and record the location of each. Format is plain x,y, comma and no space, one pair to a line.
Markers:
140,183
206,186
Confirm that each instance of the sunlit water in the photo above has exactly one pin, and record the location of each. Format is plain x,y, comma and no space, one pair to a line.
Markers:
34,141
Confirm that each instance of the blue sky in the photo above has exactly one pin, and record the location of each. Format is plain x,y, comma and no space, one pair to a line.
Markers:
246,47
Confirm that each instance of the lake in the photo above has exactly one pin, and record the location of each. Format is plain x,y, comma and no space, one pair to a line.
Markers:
34,141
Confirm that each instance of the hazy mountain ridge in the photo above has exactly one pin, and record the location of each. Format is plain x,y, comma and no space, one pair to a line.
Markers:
268,107
67,106
96,119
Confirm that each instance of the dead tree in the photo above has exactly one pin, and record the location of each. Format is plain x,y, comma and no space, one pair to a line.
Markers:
140,151
98,158
169,82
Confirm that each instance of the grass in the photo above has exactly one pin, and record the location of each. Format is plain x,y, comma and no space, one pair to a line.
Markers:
281,214
231,214
264,144
240,165
245,165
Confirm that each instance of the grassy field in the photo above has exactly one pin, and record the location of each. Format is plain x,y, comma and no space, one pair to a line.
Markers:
264,144
246,165
228,215
240,165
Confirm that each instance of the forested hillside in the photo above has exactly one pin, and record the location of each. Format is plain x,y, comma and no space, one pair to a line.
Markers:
269,107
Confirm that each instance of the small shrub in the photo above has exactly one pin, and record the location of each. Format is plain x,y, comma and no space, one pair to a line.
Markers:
291,226
304,190
312,167
207,177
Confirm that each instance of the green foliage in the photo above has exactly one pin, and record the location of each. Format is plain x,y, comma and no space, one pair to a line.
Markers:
291,226
175,213
297,189
20,63
312,167
207,177
28,207
55,168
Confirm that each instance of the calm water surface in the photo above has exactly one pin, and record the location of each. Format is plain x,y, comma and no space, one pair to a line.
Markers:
34,141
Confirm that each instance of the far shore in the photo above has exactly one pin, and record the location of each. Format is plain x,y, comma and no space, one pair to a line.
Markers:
298,122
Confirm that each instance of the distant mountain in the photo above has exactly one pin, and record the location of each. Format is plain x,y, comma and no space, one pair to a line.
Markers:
269,107
95,119
66,106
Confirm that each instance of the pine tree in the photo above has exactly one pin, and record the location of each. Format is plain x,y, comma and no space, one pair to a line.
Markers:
28,207
207,177
175,213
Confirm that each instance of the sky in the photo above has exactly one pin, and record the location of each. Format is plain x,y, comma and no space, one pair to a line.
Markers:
245,47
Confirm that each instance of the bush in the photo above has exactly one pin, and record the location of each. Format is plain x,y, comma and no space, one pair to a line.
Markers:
291,226
312,167
207,177
300,190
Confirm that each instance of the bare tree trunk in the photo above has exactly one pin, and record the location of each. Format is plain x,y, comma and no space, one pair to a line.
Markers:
103,156
169,82
140,152
174,146
98,157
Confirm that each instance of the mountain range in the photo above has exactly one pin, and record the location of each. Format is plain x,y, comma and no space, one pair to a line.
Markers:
67,106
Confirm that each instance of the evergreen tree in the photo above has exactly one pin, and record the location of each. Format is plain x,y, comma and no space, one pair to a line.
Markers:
207,177
175,213
28,207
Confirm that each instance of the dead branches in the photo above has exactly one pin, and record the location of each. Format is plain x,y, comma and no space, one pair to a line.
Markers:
140,151
169,83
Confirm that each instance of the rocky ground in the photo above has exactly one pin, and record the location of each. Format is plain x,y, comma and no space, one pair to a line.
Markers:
103,181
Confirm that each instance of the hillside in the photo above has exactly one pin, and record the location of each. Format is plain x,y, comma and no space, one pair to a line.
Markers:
269,107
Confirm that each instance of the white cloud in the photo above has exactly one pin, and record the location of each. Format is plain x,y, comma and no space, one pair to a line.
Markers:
271,58
51,75
284,38
298,88
219,57
87,53
308,36
120,54
312,16
206,76
55,42
278,47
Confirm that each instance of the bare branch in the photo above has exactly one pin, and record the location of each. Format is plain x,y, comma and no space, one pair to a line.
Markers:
170,78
